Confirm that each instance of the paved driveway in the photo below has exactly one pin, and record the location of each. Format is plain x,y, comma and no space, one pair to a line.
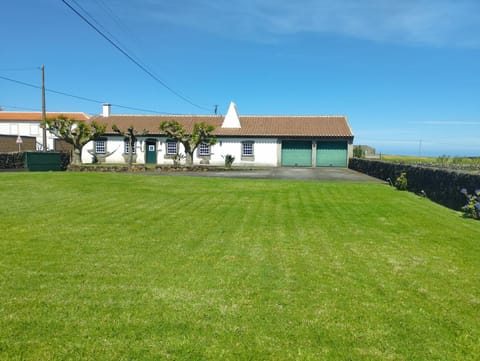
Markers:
325,174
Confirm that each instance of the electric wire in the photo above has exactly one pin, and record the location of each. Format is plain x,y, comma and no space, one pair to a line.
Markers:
120,24
19,69
84,98
137,63
20,108
113,36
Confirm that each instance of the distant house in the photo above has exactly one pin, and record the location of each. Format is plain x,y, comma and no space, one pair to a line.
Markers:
368,151
296,141
27,125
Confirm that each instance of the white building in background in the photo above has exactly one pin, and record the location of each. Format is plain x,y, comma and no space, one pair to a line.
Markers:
27,124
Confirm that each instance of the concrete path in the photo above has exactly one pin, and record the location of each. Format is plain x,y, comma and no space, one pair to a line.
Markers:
324,174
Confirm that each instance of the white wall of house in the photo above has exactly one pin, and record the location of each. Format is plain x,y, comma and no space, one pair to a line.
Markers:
264,151
26,129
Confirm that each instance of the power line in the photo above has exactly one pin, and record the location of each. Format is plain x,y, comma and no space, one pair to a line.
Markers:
19,69
2,106
83,98
137,63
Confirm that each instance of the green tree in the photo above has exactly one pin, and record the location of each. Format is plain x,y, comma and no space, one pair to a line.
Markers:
130,135
201,133
75,132
358,152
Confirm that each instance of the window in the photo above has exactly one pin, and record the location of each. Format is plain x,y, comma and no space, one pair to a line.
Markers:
127,147
203,149
247,149
172,147
100,146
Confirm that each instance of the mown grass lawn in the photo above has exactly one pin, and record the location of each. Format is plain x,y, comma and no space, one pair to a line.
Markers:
133,267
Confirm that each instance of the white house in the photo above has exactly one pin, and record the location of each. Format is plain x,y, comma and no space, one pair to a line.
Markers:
303,141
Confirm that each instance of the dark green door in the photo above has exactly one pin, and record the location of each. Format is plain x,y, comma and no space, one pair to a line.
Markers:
331,154
296,153
151,152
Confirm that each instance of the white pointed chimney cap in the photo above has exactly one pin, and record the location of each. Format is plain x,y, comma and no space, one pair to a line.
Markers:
231,119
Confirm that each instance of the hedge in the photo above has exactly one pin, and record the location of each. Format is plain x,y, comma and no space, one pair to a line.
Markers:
440,185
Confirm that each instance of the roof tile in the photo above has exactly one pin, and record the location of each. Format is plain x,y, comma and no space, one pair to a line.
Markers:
296,126
37,116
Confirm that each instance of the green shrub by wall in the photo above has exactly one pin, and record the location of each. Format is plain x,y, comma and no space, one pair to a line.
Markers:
11,160
440,185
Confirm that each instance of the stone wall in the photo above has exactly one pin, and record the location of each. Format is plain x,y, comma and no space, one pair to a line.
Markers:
440,185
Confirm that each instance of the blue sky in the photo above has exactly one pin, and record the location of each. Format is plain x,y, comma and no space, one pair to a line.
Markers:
405,73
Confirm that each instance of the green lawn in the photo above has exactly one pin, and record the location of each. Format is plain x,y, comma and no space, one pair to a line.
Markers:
131,267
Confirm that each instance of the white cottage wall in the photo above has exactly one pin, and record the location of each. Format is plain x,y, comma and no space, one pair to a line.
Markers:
264,151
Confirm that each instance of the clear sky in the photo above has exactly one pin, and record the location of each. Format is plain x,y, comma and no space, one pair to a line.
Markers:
405,73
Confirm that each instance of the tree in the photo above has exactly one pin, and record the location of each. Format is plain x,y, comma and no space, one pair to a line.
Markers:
358,152
75,132
130,135
202,133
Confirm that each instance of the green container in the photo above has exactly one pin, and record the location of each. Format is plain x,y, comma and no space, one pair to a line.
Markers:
43,161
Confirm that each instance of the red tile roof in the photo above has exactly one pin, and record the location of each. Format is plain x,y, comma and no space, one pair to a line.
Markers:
263,126
37,116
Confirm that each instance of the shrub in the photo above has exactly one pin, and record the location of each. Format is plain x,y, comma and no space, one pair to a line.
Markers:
443,159
358,152
229,159
177,159
401,182
472,208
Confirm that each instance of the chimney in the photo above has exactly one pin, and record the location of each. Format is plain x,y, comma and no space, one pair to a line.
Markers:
106,110
231,119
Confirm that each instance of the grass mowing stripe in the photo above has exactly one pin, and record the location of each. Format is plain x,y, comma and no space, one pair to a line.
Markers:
118,266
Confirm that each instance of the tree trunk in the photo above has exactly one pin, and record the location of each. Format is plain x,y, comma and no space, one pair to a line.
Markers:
77,156
130,156
188,159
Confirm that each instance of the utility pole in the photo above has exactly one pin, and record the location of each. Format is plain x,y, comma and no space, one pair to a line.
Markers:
44,112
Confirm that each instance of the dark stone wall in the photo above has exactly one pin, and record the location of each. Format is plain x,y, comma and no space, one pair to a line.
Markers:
440,185
11,160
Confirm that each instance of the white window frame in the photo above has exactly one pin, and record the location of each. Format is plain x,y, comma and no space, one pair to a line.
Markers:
204,150
126,147
100,146
248,149
168,149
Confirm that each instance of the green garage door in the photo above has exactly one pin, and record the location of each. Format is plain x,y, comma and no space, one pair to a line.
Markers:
296,153
331,154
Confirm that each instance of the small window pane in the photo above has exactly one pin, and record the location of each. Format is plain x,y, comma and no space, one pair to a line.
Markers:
247,149
171,147
127,147
100,146
203,149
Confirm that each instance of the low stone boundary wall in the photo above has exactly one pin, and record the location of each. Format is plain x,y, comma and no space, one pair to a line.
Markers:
440,185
